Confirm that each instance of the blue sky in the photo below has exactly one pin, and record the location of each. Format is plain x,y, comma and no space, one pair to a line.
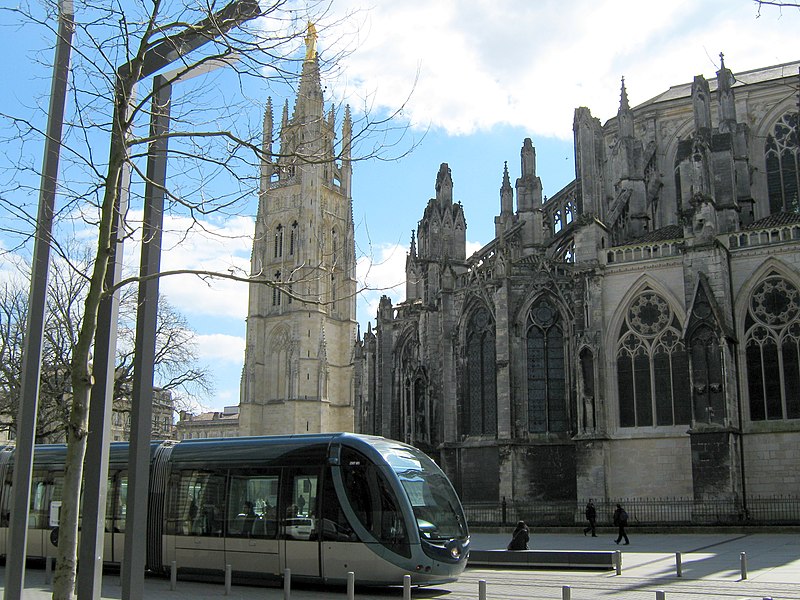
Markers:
482,75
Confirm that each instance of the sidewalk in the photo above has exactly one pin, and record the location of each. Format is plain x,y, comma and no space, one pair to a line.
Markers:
711,569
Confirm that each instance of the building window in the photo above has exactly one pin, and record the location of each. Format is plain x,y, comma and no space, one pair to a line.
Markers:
481,417
276,291
547,401
652,366
772,349
278,253
293,239
783,164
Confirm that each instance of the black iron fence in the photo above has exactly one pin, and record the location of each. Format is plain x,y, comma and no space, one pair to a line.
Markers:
760,510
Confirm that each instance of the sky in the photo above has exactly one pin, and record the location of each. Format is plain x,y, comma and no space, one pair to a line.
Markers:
474,78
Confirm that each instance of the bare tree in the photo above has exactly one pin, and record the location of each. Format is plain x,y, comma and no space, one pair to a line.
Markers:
215,145
785,4
176,366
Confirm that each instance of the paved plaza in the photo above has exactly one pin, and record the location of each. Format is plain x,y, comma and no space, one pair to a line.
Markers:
711,568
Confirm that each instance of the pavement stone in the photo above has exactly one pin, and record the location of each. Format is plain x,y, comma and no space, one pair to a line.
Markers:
711,569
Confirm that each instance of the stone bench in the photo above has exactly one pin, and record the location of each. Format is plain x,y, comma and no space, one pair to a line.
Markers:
543,559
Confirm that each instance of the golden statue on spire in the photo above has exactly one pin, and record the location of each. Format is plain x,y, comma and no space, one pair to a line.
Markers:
311,42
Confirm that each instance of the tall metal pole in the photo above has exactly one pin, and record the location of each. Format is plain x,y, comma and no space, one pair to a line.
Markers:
142,398
37,304
95,471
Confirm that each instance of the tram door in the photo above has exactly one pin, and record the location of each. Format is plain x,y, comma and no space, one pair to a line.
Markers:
251,544
299,521
116,515
196,521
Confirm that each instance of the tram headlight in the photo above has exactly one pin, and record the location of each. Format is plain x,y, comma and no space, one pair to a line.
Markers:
455,551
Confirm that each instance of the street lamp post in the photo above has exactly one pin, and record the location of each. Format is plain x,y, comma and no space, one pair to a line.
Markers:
96,468
32,352
96,463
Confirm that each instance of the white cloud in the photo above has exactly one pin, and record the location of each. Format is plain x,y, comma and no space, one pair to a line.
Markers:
382,273
218,347
210,247
487,62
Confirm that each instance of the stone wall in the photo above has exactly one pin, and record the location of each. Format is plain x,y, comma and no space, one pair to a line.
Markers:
772,463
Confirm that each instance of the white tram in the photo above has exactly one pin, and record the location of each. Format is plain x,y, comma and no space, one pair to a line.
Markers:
319,504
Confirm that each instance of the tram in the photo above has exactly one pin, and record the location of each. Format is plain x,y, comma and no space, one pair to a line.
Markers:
321,505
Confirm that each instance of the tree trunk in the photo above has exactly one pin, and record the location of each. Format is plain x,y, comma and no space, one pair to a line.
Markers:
82,379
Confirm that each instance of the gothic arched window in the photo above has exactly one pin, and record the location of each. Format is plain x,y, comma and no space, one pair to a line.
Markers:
481,413
293,239
772,349
276,291
278,253
652,366
782,153
547,390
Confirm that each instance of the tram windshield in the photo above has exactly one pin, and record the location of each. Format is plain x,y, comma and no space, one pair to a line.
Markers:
436,506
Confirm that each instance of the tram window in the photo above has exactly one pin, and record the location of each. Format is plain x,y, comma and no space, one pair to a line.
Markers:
334,526
197,504
117,502
37,517
54,504
5,511
374,502
252,505
300,502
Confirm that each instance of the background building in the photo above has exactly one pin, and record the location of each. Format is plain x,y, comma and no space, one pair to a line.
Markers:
208,424
298,371
635,335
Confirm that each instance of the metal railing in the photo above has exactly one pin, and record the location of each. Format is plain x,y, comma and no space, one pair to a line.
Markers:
759,510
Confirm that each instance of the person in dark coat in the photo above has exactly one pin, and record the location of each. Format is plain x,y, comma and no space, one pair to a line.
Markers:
591,516
520,537
621,521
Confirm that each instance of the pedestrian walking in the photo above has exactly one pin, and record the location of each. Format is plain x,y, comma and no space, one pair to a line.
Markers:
621,521
591,516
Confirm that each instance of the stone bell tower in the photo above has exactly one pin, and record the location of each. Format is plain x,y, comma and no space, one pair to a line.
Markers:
298,372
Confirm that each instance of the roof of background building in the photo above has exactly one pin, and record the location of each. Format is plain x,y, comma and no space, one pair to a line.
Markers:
684,90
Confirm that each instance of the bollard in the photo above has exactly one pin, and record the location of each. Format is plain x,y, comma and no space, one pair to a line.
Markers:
351,585
227,579
406,587
660,595
566,592
678,565
287,584
618,561
48,570
743,563
481,589
173,576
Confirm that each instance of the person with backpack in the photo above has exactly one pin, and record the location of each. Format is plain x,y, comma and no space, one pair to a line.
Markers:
621,521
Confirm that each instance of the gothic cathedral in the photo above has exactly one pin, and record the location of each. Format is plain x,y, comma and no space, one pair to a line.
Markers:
637,334
298,371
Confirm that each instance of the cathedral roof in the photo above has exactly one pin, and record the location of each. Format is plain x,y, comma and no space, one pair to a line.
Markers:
776,220
670,232
684,90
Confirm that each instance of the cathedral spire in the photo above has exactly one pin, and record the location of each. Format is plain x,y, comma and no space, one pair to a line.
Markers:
727,106
266,144
506,194
624,114
309,103
623,96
